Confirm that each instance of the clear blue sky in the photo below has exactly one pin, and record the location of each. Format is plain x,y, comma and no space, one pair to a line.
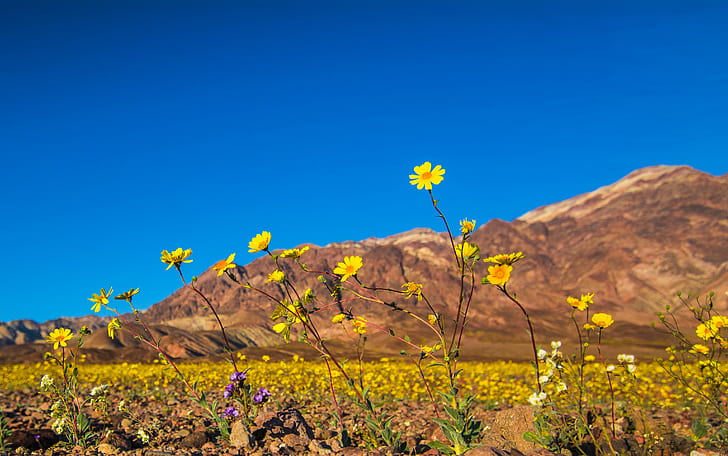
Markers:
128,127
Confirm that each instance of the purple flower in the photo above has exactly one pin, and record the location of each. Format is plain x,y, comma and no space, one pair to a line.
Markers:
229,390
261,396
230,412
237,376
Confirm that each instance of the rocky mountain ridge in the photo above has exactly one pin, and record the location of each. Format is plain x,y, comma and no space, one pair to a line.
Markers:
633,243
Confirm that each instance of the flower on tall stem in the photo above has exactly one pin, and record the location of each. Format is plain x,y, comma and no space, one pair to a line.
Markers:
100,299
127,295
223,265
467,226
499,274
176,257
294,253
412,289
59,337
505,258
259,242
602,320
426,176
349,267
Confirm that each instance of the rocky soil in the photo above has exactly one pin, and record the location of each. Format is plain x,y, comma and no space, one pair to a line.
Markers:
176,427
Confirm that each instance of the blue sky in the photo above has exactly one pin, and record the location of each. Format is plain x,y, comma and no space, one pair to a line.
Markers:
128,127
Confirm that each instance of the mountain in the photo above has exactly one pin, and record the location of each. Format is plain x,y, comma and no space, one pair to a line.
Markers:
633,243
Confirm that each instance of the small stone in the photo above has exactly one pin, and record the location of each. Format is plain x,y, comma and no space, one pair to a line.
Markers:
240,436
194,440
107,448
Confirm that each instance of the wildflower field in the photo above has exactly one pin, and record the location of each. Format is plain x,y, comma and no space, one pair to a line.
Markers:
575,399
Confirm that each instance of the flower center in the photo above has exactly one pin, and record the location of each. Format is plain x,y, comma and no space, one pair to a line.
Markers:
427,175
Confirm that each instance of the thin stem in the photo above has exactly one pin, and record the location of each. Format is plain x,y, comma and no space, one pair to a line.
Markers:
503,289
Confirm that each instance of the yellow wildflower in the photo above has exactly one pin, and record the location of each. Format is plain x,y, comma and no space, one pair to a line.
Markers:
499,274
276,276
127,295
112,327
602,320
425,176
706,331
280,327
100,299
505,258
432,319
176,258
338,318
589,358
259,242
578,304
466,250
698,348
265,358
223,265
413,289
588,298
294,253
467,226
349,267
59,337
360,325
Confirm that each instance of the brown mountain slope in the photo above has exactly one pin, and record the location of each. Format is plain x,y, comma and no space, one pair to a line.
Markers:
633,243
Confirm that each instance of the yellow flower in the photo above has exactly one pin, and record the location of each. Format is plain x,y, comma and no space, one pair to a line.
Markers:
280,327
176,258
100,299
588,298
59,337
705,331
360,325
265,358
338,318
127,295
432,319
259,242
223,265
589,326
349,267
698,348
425,176
276,276
589,358
466,250
499,274
294,253
112,327
413,289
578,304
602,320
505,258
467,226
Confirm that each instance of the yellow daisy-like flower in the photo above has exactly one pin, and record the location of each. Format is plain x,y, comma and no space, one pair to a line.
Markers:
499,274
112,327
589,358
259,242
338,318
432,319
425,176
276,276
467,226
578,304
127,295
466,250
359,325
349,267
705,331
602,320
505,258
294,253
59,337
223,265
587,298
413,289
698,348
176,258
100,299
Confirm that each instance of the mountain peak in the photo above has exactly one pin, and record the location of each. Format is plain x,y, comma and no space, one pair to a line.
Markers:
641,179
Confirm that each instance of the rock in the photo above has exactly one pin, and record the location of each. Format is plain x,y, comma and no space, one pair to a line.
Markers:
33,440
117,440
507,428
194,440
240,436
107,448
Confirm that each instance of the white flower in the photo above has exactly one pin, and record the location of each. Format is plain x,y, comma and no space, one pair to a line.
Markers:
143,436
622,358
631,368
555,344
611,368
542,353
561,386
544,379
536,399
46,382
99,390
